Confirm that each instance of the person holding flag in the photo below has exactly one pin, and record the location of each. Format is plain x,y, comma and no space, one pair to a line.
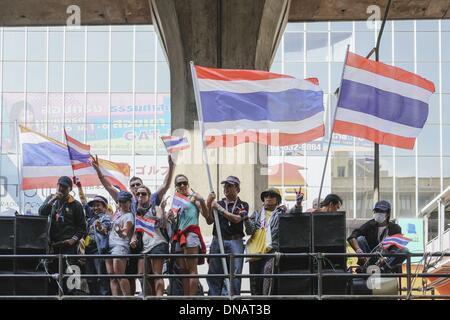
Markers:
151,233
370,236
187,236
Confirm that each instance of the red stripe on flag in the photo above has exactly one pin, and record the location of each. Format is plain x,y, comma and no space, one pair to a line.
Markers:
274,139
374,135
236,74
385,70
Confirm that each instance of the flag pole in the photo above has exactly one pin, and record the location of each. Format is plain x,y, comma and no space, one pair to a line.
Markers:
205,159
376,163
332,128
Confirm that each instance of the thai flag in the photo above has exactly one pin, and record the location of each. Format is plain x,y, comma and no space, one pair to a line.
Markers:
397,240
174,144
146,225
382,103
179,203
79,153
44,160
239,106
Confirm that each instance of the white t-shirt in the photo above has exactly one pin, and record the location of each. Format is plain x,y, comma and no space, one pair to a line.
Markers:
380,233
119,222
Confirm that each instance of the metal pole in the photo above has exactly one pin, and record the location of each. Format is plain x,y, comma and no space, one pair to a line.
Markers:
60,276
376,164
144,277
205,159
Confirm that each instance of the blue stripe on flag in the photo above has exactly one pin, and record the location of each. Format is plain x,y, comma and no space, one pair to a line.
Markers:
289,105
75,155
44,154
382,104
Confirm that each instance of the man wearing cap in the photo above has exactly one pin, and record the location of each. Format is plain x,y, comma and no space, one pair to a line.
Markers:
367,237
66,219
266,218
232,212
98,227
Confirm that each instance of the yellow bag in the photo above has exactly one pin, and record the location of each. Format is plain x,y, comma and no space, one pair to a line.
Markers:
256,244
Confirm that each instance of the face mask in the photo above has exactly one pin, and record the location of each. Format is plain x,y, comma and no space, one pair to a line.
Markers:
379,217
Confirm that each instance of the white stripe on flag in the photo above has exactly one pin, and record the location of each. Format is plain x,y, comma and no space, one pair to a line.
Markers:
387,84
377,123
77,148
33,138
246,86
293,127
47,171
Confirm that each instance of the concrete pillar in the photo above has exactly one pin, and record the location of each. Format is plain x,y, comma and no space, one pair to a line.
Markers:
241,34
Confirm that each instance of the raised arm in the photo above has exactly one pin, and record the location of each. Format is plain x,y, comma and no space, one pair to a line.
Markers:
166,185
106,184
81,194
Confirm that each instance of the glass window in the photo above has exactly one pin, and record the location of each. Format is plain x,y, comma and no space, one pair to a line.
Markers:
145,77
13,109
74,115
295,26
13,76
404,46
279,52
97,76
75,45
341,26
446,141
428,141
55,76
148,27
429,179
429,71
74,77
37,46
160,54
445,77
122,46
122,123
294,69
405,186
163,84
13,45
98,46
446,109
427,43
404,25
98,122
386,47
364,42
317,46
276,67
318,70
446,171
317,26
36,76
339,42
427,25
55,45
336,75
121,76
293,46
145,46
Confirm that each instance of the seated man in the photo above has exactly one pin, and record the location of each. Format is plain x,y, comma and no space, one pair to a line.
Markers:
368,237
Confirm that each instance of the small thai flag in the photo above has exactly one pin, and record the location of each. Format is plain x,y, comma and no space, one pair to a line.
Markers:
397,240
179,202
174,144
79,153
146,225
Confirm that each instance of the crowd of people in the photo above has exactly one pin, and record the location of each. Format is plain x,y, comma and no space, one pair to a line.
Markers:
142,223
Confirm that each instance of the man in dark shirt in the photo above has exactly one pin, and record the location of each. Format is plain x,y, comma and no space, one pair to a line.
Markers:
67,225
367,237
232,212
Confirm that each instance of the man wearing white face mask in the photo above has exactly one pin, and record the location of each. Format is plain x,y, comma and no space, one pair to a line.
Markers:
367,237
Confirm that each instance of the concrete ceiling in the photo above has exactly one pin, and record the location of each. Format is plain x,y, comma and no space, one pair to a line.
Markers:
114,12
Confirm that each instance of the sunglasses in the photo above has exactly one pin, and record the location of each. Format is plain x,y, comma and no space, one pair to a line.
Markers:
141,194
182,183
135,185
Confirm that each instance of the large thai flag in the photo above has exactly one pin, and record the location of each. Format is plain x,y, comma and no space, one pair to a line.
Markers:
382,103
240,106
174,144
44,160
396,240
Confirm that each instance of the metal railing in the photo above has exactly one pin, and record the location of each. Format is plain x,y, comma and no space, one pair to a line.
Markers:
319,274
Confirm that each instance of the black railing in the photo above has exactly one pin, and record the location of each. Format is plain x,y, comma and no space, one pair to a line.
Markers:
408,292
